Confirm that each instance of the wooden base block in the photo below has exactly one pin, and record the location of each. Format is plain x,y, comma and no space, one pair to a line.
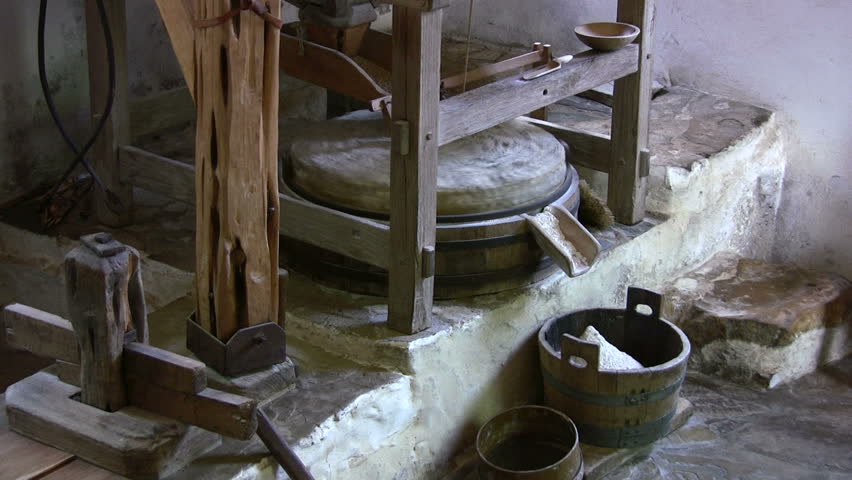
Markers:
262,385
131,442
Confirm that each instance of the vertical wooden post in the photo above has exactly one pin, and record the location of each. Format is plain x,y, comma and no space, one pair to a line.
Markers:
116,132
236,165
414,165
630,110
105,300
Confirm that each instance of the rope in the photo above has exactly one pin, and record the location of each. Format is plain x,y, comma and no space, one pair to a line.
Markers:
254,6
467,53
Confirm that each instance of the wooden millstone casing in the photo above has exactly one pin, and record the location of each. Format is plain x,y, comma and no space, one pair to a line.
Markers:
472,258
615,408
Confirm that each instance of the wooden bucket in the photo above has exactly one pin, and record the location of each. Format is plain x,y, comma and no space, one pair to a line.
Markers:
529,443
473,257
615,408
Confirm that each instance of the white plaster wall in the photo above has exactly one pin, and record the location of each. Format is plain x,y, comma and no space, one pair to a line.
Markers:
793,56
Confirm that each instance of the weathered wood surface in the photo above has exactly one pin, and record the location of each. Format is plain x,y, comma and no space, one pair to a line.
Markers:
130,442
327,68
41,333
378,48
176,18
116,132
497,102
630,112
80,470
339,232
220,412
588,149
24,459
163,368
414,165
425,5
236,162
104,289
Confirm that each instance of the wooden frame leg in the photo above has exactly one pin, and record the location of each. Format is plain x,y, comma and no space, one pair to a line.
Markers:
116,132
414,166
630,111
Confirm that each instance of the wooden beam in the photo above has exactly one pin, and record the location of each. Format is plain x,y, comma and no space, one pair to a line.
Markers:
41,333
424,5
378,48
182,34
414,165
116,132
590,150
210,409
236,159
158,174
498,102
166,369
338,232
630,112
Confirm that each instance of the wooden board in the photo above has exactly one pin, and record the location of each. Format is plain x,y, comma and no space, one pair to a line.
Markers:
630,112
22,458
497,102
80,470
414,165
176,18
41,333
116,132
236,150
163,368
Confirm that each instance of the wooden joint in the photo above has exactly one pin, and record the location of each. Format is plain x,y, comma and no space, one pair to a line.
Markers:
402,137
644,163
428,262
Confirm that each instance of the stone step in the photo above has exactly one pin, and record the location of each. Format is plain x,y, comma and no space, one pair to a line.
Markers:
760,323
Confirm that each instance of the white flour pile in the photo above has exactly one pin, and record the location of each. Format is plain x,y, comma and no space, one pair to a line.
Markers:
550,224
611,358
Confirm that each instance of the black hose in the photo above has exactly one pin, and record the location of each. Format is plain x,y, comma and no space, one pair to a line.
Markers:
113,201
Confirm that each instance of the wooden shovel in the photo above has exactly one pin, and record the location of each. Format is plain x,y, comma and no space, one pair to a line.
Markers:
570,245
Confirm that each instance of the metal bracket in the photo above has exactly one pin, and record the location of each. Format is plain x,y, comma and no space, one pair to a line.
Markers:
251,348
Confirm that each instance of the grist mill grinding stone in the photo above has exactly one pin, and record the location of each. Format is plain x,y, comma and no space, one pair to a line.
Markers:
345,162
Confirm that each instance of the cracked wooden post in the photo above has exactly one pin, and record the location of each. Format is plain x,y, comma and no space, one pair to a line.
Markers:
105,301
236,164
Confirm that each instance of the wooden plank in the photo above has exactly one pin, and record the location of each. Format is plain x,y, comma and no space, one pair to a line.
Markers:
414,165
164,368
116,132
237,217
175,16
23,458
588,149
493,69
630,112
158,174
80,470
163,111
425,5
378,48
327,68
498,102
41,333
220,412
338,232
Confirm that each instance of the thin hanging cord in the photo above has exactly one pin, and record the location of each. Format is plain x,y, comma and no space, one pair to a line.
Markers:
112,199
467,54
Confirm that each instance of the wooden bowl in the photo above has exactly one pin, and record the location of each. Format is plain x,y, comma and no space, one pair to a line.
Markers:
607,36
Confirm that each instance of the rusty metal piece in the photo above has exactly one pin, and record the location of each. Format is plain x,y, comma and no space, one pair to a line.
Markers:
530,443
249,349
282,452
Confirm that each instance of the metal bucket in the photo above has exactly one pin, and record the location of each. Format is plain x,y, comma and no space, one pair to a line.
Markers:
615,408
530,443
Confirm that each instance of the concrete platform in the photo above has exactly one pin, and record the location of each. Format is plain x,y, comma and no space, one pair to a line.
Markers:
759,323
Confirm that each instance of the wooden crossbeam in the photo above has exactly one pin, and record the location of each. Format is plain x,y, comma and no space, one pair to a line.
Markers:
39,332
501,101
163,368
590,150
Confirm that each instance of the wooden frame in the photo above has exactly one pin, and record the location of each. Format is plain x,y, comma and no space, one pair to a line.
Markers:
422,123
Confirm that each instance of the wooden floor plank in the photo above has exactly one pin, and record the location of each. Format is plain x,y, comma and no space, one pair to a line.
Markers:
80,470
27,459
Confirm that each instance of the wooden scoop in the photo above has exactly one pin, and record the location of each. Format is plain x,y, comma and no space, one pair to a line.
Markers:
566,240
